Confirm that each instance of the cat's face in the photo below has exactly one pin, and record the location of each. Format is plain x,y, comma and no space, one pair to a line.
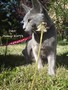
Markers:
33,17
32,20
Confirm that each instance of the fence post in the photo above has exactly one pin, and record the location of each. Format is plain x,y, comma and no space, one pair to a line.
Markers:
0,40
6,48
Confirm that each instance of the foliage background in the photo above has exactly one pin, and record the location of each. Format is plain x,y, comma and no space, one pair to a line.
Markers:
11,14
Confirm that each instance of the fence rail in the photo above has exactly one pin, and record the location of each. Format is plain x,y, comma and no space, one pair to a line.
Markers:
11,53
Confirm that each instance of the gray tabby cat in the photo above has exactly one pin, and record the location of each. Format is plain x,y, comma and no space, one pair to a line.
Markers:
34,16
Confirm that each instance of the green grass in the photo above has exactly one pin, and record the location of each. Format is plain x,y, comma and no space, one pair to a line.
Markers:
20,76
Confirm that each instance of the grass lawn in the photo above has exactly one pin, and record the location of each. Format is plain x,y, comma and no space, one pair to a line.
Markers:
16,75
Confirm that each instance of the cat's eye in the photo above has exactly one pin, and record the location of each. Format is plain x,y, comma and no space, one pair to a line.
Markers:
29,20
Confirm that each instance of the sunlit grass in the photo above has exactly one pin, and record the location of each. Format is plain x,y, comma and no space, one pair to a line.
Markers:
12,49
62,49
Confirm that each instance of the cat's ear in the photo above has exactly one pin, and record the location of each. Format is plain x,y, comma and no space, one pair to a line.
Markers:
26,8
36,5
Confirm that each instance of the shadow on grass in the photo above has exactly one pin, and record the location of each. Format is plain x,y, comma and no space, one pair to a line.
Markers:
11,61
62,60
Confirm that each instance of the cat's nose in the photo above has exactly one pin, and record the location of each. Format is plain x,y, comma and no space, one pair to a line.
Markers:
24,28
22,23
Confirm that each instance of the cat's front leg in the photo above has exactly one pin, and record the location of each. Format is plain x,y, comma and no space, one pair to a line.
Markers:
35,53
